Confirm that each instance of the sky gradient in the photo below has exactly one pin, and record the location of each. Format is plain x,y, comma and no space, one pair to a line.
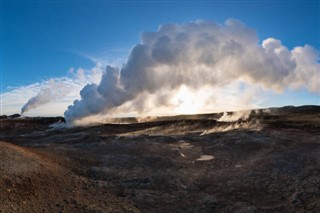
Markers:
43,40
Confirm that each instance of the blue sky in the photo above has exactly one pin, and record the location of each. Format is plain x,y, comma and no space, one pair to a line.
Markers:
44,39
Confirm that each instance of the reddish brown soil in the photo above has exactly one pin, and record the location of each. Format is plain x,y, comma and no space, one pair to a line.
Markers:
32,182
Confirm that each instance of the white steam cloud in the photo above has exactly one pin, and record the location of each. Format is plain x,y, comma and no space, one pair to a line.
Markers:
170,66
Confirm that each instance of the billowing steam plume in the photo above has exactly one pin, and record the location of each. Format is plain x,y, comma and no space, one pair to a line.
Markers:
198,56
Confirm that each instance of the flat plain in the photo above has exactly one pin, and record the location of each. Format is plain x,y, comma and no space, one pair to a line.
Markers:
265,161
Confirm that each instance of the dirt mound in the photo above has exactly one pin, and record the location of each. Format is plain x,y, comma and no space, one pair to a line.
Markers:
15,160
32,182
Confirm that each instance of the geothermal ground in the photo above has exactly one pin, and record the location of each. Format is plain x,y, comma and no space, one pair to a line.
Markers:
266,161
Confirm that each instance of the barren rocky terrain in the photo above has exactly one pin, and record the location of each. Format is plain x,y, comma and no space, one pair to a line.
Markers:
264,161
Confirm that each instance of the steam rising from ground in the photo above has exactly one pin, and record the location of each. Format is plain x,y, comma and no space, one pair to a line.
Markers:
61,89
235,116
248,119
55,90
192,67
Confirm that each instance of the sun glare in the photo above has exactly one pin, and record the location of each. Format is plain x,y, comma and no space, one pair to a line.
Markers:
187,101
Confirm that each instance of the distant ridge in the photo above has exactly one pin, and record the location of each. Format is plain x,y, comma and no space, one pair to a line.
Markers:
305,109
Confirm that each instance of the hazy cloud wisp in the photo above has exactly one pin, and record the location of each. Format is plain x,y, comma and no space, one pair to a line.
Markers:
59,92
